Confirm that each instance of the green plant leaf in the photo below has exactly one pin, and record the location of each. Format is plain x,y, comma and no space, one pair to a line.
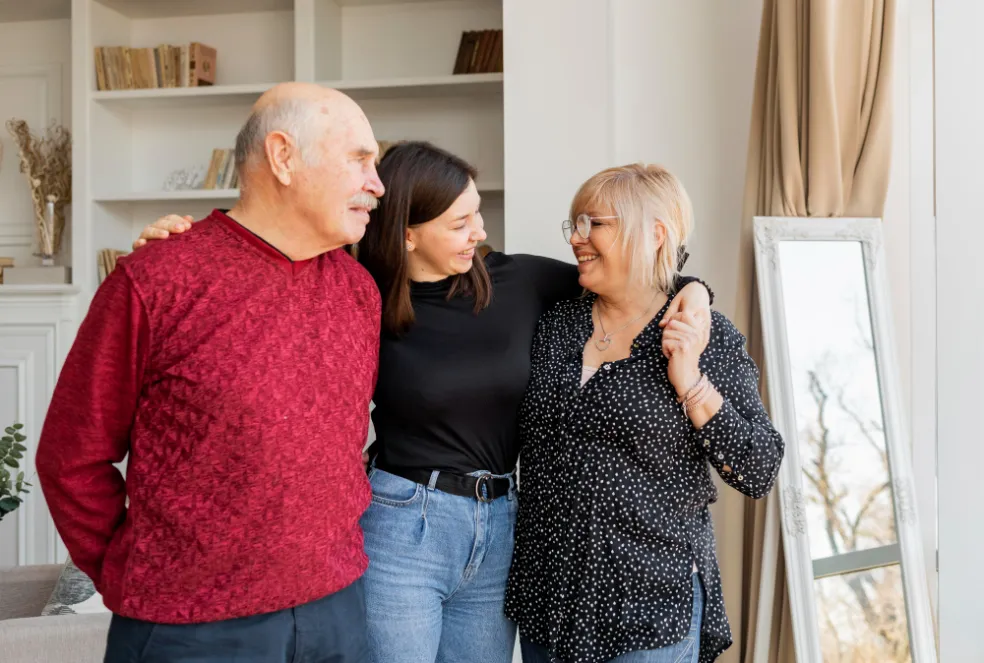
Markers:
18,437
8,504
29,484
11,462
9,430
19,447
17,426
20,477
16,454
7,438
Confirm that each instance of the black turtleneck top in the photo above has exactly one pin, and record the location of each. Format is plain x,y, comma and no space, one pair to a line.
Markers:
449,389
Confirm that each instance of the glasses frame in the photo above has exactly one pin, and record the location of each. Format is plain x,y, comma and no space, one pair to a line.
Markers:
569,227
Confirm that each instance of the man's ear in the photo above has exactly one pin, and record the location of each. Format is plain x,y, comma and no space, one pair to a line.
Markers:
281,156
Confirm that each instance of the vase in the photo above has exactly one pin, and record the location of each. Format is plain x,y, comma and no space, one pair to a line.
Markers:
48,234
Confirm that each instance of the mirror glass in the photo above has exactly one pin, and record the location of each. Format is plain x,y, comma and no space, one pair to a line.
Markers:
847,484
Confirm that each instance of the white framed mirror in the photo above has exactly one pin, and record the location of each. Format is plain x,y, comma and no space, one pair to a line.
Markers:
854,560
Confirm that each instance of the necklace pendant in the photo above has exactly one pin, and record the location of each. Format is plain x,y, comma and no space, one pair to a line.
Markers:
603,344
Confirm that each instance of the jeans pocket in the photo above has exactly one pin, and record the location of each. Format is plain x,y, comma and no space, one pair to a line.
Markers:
391,490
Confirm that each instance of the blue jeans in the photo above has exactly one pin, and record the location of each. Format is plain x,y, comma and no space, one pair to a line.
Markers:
685,651
329,630
438,566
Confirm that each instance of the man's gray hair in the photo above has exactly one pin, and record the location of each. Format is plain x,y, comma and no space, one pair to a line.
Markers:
299,118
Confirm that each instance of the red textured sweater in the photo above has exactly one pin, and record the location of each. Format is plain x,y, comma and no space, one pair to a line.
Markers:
239,383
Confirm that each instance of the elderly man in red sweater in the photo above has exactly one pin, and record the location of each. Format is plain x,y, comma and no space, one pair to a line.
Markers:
233,367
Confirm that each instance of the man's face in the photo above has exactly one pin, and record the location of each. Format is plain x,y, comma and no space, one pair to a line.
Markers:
341,185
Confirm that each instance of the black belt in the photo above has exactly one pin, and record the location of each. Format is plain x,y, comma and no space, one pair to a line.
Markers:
484,488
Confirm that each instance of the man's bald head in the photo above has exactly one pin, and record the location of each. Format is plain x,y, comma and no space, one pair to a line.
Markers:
306,112
307,153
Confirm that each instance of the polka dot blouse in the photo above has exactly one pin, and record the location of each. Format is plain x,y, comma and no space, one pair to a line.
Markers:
614,488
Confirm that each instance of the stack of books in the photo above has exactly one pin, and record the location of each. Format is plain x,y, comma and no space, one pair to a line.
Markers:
222,171
125,68
480,52
107,262
5,262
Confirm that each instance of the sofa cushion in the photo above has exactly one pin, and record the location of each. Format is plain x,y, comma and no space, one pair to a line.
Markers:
74,594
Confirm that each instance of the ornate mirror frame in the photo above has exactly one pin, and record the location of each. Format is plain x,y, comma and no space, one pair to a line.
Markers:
801,569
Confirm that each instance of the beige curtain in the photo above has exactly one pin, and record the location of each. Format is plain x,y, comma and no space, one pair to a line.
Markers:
820,146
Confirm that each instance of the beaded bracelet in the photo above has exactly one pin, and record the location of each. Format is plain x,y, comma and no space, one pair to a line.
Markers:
690,392
697,394
698,399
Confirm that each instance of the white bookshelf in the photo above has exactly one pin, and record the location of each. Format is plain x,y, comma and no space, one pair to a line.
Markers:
395,57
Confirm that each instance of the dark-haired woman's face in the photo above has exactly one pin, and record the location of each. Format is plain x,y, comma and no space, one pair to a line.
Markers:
445,246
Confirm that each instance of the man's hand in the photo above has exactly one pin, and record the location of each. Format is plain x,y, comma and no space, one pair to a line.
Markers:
162,228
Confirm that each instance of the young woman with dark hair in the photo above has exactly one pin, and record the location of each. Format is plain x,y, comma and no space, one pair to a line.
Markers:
453,367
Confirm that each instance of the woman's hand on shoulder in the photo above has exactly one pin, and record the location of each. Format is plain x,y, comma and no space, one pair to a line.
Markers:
683,344
693,299
162,228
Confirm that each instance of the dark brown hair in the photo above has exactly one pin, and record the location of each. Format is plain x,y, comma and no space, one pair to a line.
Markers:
422,181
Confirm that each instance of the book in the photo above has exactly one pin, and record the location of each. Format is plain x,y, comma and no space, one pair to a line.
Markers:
106,259
166,65
201,65
479,52
5,262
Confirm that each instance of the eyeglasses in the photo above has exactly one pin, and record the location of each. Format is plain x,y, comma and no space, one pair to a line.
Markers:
581,226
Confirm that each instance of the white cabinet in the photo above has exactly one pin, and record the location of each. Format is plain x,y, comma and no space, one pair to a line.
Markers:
36,331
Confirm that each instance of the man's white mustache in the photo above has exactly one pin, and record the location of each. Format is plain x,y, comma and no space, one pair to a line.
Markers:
364,199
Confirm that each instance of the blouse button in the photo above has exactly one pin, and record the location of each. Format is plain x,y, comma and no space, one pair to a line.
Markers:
707,443
741,478
720,455
608,367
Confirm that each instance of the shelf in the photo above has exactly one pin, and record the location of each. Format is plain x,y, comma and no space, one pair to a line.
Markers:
419,86
228,95
35,10
32,290
217,194
366,3
169,8
166,196
172,97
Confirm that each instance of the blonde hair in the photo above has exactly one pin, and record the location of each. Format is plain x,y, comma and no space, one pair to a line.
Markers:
641,196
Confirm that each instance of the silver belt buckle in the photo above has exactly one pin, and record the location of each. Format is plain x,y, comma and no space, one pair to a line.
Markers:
482,481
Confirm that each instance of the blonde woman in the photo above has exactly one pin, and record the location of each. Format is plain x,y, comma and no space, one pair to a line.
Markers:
622,420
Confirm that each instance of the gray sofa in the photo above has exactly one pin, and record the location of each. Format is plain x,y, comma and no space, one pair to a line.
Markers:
26,637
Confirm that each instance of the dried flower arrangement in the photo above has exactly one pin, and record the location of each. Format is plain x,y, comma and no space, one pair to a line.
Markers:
46,161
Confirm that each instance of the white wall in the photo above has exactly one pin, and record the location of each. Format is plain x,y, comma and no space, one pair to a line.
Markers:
960,319
35,85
